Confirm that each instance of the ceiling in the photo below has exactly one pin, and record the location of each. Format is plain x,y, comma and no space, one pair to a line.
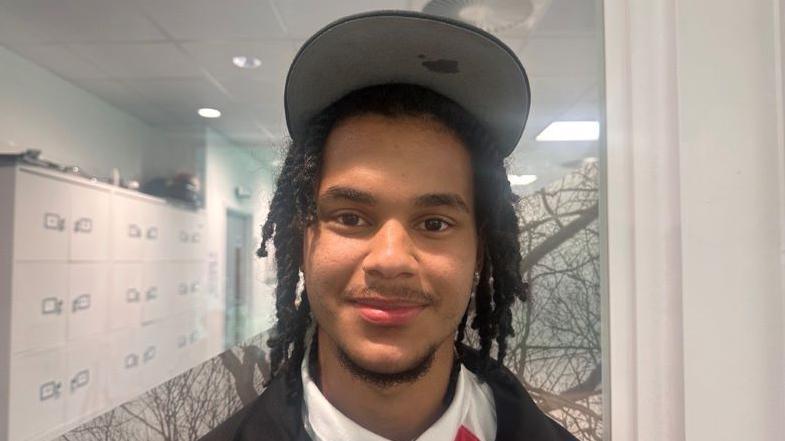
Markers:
161,60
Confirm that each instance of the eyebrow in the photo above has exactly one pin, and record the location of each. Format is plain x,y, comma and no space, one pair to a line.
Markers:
349,194
452,200
428,200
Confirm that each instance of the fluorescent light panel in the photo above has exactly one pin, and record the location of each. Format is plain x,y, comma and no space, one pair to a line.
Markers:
571,131
521,180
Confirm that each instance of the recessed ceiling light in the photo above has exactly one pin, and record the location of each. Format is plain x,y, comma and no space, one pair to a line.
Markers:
206,112
520,180
244,62
571,131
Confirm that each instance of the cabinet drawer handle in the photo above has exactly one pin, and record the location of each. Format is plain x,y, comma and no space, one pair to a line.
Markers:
51,305
195,238
149,354
152,233
194,336
152,293
134,231
131,361
83,225
49,390
132,295
54,221
195,286
183,236
81,303
81,379
182,289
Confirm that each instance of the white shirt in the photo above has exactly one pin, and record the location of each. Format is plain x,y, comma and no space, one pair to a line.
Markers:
471,415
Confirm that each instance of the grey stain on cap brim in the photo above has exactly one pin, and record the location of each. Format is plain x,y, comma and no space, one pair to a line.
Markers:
442,66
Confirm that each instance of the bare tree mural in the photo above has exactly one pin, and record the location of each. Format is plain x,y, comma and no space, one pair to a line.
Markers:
557,349
188,406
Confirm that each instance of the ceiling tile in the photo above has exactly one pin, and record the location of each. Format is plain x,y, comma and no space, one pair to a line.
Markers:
241,129
303,18
587,108
14,30
214,20
66,21
562,56
181,97
60,60
552,98
249,91
139,60
128,100
261,100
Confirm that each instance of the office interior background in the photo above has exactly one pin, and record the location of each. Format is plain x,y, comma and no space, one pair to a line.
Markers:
139,145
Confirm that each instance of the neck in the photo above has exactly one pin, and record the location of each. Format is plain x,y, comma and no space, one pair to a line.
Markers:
401,412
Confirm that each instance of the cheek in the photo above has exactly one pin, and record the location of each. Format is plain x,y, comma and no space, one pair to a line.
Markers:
329,264
452,279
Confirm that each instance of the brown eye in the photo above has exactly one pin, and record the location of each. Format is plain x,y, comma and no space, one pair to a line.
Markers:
435,225
350,220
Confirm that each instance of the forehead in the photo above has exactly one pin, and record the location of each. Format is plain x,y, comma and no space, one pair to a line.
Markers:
397,157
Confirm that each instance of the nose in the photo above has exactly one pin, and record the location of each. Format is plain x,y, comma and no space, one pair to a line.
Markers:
391,254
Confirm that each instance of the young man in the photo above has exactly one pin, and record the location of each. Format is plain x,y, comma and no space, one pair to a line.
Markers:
394,205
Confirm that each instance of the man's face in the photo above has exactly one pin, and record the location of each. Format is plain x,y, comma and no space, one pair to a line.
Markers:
389,263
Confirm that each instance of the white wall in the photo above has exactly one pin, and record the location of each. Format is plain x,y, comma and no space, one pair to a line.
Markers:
227,166
694,192
730,171
73,127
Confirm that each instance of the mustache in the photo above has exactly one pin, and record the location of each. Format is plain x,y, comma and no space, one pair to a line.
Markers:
389,292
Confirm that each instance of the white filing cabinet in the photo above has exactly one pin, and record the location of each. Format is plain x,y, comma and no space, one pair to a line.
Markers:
97,286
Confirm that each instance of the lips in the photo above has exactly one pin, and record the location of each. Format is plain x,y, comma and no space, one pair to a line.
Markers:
387,313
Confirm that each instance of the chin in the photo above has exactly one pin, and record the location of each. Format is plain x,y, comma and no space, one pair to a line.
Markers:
388,358
383,355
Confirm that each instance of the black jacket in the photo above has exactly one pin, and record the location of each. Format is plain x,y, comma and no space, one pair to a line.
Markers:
274,418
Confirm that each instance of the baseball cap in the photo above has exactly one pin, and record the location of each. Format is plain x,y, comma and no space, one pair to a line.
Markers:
457,60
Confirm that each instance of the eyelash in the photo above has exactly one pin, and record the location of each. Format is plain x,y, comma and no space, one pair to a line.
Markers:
342,216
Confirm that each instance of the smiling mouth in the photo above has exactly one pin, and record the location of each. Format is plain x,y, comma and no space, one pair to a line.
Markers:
387,313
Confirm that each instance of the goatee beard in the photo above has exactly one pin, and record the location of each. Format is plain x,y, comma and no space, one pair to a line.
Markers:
385,380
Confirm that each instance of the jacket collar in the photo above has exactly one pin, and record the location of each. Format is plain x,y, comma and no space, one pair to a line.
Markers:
275,417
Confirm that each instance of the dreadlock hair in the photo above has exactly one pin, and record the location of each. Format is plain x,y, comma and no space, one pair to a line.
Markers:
293,208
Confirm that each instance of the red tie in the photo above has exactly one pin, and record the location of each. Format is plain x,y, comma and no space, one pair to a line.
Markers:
465,435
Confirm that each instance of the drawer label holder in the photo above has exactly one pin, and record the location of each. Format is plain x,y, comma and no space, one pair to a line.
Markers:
51,305
83,225
81,303
49,390
81,379
53,221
